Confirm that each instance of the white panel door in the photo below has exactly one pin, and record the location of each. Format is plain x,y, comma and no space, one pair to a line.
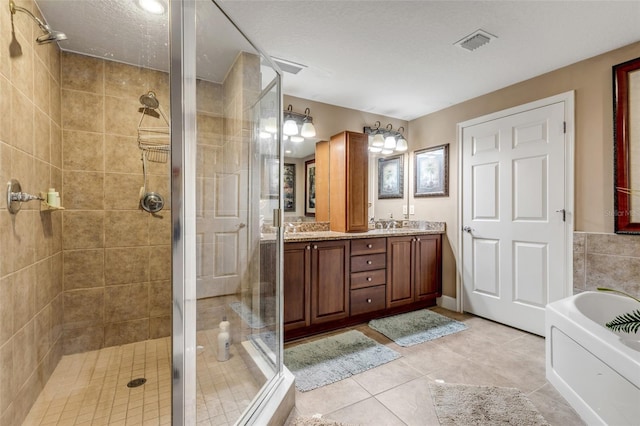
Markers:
513,244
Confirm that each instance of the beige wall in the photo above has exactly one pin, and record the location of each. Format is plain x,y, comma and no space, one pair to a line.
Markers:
591,80
117,257
30,242
330,120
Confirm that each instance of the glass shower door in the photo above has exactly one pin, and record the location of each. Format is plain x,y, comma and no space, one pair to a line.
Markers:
236,185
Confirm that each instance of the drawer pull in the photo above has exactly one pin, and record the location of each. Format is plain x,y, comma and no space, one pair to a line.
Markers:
368,278
315,247
369,300
369,246
369,262
308,247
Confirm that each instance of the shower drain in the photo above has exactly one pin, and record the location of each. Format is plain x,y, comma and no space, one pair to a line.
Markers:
136,382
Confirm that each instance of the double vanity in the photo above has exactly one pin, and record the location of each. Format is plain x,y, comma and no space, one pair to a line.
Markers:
334,279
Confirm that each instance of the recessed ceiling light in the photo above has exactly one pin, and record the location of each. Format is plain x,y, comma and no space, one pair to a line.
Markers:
152,6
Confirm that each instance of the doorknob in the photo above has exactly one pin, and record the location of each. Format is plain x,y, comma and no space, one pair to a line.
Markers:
467,229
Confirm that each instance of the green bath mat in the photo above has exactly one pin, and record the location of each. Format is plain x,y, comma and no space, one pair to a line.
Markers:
416,327
334,358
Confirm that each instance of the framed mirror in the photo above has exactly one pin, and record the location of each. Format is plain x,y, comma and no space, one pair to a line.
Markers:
626,131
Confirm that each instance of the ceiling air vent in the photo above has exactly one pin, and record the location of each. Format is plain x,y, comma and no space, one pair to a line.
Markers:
475,40
288,66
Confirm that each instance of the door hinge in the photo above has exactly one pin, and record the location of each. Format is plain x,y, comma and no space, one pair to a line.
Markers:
564,127
277,222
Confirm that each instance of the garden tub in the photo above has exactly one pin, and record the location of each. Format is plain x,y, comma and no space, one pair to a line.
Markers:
595,369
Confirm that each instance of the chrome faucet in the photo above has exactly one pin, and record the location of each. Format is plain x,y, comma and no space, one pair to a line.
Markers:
391,224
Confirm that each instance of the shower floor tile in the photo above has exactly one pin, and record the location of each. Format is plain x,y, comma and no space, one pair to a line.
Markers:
91,387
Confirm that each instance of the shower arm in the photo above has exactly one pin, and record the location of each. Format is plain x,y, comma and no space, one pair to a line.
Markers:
13,8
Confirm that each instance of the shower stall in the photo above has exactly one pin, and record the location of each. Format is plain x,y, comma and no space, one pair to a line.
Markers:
165,254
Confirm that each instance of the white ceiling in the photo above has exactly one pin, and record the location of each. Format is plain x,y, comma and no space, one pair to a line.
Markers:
395,58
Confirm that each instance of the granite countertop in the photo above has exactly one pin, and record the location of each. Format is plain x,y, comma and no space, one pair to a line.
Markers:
333,235
320,232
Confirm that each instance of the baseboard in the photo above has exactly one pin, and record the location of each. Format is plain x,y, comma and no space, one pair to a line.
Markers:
447,302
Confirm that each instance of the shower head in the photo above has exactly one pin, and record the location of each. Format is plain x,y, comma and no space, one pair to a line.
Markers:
49,34
149,100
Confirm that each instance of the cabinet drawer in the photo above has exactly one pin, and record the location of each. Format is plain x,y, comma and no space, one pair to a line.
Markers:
368,246
368,278
368,262
368,300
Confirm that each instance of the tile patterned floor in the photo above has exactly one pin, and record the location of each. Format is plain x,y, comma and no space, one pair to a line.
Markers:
397,393
90,388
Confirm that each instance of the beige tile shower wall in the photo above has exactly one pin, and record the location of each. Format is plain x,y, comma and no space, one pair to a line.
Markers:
30,242
117,257
606,260
222,178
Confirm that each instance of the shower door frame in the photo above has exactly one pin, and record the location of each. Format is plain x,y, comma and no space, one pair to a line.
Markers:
182,42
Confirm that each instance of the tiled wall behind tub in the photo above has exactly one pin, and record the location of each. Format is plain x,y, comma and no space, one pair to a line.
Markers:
30,241
606,260
117,257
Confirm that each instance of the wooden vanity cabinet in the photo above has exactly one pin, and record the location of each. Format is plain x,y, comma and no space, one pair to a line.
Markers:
296,286
329,281
368,275
348,186
413,269
338,283
315,283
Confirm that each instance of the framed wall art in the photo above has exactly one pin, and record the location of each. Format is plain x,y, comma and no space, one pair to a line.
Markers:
289,187
391,177
431,172
270,185
626,150
310,188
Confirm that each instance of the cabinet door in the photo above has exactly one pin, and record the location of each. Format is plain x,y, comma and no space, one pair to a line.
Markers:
297,285
329,281
400,286
427,266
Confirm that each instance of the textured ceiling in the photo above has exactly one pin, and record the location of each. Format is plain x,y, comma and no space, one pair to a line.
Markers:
395,58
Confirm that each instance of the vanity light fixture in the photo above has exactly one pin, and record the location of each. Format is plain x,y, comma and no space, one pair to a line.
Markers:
385,141
390,139
293,119
402,144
